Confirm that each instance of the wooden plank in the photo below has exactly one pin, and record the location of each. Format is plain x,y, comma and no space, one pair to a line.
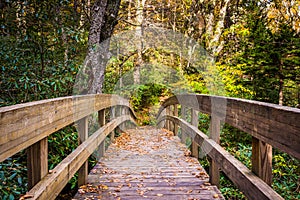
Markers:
251,185
273,124
183,117
262,160
50,186
82,136
23,125
194,146
168,112
101,121
132,174
112,116
175,114
37,162
214,134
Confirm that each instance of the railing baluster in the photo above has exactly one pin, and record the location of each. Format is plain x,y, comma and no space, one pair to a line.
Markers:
194,147
112,116
262,160
82,136
101,121
183,116
214,134
37,162
168,112
176,115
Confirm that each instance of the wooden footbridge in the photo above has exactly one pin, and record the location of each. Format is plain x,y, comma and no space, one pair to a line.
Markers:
148,162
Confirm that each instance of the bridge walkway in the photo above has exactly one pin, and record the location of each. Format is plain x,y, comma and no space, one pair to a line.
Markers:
148,163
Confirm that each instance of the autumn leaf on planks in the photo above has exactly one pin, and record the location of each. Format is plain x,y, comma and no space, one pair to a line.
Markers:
103,187
26,196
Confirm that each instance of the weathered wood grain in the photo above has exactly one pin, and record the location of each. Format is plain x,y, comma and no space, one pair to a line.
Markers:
251,185
262,160
37,162
273,124
83,134
148,163
195,122
50,186
23,125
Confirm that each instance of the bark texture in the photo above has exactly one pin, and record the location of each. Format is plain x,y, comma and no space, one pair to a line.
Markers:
103,21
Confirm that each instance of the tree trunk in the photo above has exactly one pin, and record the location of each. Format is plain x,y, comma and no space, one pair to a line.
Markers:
139,34
281,82
104,19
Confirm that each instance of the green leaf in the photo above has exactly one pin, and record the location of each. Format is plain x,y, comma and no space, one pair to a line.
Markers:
12,176
20,180
11,197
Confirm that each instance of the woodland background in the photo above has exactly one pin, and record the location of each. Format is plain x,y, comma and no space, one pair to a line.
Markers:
255,43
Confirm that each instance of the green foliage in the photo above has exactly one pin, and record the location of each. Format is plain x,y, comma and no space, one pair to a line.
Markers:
13,179
286,173
259,61
203,122
61,144
144,95
229,190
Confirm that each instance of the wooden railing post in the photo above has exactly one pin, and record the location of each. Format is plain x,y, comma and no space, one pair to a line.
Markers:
262,160
214,134
82,136
194,147
168,112
123,112
175,113
112,116
183,116
37,162
101,121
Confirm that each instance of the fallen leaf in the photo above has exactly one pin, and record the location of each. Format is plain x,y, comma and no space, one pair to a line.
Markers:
103,187
216,196
159,195
26,196
81,191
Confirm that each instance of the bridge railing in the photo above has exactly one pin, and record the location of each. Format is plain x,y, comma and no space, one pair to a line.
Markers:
270,126
27,126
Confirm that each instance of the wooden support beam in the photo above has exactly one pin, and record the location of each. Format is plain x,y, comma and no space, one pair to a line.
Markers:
214,134
175,113
183,116
123,111
101,121
168,112
194,146
112,116
262,160
82,136
171,124
37,162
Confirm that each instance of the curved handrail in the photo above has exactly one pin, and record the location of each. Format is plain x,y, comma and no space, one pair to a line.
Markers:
28,125
251,185
269,124
25,124
276,125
